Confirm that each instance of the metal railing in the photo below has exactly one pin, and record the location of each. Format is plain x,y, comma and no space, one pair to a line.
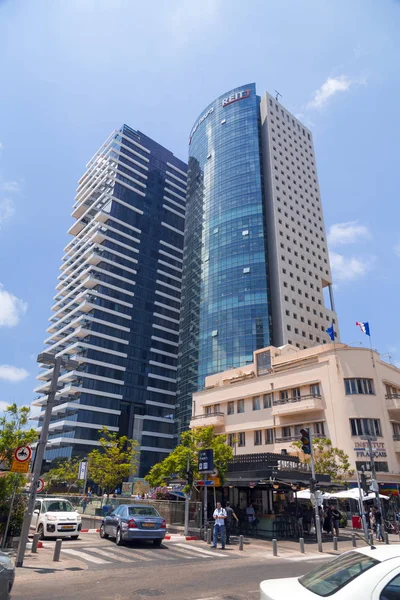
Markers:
396,437
208,415
296,399
392,396
289,438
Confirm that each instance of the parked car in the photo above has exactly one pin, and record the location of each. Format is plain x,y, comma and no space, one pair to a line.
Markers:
56,518
364,574
130,522
7,575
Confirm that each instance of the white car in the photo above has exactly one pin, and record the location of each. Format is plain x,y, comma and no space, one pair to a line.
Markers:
56,518
364,574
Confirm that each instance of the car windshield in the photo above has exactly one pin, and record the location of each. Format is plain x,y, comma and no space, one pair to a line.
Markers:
329,578
57,506
143,511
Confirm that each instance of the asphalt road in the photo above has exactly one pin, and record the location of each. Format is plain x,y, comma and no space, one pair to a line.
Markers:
174,572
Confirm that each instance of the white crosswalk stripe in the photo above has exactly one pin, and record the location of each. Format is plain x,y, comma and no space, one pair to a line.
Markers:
111,554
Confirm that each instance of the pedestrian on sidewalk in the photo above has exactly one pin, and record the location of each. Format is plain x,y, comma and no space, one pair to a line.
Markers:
230,515
84,503
219,525
378,521
335,520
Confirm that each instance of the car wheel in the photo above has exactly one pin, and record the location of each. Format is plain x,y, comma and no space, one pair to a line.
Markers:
40,531
118,538
157,542
74,537
103,533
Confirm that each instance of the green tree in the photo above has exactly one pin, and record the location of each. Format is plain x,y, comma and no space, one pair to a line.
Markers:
175,464
117,459
13,433
328,459
64,471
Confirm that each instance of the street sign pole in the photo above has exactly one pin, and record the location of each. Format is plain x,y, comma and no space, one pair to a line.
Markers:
317,518
369,439
186,532
361,508
40,450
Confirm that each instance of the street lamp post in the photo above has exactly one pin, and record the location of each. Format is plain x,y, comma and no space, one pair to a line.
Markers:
369,439
57,362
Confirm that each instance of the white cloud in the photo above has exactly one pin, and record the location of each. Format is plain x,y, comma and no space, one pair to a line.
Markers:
11,308
7,209
348,268
332,86
12,374
347,233
11,186
3,405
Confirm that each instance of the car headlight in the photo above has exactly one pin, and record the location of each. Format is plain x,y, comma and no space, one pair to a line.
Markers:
78,517
51,518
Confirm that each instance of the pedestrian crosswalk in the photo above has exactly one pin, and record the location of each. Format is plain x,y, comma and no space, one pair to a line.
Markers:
110,554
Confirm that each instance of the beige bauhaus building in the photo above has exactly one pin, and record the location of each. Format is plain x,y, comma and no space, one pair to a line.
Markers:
339,391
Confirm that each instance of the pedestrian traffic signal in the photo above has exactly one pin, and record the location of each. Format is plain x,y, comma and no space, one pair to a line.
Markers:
305,441
189,477
364,483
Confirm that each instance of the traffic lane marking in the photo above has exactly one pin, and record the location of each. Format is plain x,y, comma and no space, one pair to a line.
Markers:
87,557
201,550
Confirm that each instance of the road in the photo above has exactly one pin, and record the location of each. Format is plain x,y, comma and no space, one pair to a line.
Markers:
176,571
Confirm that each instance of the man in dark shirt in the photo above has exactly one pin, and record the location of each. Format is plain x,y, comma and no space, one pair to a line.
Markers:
335,514
230,515
378,522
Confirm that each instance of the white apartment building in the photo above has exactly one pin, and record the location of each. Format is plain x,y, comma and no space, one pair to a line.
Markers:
338,391
298,259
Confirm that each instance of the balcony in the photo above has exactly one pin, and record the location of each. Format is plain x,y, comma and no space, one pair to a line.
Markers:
216,418
396,443
296,405
393,401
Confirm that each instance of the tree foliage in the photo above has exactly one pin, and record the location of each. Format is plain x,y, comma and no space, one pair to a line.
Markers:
328,459
14,433
114,462
65,471
175,464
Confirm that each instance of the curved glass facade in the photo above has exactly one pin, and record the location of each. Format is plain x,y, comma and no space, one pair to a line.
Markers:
225,296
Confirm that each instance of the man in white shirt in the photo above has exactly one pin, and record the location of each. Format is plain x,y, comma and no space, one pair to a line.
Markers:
219,525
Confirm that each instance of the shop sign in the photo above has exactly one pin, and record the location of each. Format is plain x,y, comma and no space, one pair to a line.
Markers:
206,461
235,97
362,451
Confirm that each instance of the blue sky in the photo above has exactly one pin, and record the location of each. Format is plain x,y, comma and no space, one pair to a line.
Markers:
73,71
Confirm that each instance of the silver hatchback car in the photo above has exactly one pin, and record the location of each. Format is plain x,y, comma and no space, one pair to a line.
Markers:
129,522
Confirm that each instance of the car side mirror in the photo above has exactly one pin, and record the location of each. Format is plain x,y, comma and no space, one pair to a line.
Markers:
36,511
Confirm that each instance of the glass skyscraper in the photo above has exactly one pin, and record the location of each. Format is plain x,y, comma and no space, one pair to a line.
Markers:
117,305
255,255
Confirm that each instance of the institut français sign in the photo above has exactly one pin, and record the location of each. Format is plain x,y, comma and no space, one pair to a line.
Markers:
378,448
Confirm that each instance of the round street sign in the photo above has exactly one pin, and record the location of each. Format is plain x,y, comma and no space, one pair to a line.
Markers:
40,486
23,453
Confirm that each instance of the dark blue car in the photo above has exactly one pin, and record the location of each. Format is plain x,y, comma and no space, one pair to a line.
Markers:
129,522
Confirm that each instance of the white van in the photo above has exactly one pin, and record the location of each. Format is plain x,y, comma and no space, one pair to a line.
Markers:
56,518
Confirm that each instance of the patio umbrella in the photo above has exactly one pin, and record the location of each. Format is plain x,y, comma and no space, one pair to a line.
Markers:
306,495
353,494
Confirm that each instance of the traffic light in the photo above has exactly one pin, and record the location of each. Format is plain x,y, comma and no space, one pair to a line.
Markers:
305,441
364,483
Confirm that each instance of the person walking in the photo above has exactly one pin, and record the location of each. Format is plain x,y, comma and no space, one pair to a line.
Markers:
335,520
230,515
84,503
378,522
219,525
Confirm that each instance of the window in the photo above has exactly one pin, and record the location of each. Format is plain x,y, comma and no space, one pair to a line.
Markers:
258,438
286,432
315,389
319,428
267,400
391,591
330,577
240,406
231,440
208,410
256,403
284,394
366,427
269,436
296,394
231,408
217,408
242,438
359,386
380,466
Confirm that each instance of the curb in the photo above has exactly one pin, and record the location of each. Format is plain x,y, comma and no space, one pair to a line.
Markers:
89,530
178,537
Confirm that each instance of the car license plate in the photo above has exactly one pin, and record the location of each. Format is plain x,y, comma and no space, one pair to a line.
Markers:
148,525
67,527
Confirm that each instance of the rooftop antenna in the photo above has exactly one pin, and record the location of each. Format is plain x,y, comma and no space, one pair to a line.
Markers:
277,95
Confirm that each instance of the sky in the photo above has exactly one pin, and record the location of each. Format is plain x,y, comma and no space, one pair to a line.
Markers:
73,71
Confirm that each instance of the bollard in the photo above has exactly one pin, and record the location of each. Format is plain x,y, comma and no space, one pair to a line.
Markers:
274,548
35,541
205,534
57,550
301,540
386,537
371,539
334,542
240,542
209,532
354,540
